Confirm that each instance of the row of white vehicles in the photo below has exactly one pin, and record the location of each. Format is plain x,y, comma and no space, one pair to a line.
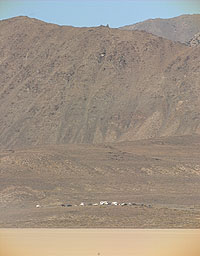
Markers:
101,203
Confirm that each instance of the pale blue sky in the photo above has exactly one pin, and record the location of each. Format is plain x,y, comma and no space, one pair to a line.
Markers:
96,12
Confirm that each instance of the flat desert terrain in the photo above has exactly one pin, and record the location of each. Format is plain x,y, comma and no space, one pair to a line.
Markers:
159,177
61,242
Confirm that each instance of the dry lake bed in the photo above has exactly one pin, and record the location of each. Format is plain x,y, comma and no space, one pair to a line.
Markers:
101,242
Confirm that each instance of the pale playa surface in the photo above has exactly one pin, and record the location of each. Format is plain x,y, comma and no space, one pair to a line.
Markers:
104,242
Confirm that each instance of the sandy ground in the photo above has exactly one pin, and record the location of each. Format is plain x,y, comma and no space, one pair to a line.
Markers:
62,242
140,217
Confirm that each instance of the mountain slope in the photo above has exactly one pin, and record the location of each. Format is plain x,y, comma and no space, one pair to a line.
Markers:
181,28
91,85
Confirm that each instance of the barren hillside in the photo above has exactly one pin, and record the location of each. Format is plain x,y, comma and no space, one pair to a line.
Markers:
91,85
181,28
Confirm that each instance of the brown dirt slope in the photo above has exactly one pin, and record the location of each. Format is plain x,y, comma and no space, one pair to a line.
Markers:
181,28
164,173
137,170
92,85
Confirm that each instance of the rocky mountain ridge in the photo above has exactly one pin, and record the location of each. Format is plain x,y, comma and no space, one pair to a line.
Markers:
93,85
181,28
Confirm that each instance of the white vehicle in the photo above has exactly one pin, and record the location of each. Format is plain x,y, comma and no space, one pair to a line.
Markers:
37,206
82,204
95,204
103,203
123,204
114,203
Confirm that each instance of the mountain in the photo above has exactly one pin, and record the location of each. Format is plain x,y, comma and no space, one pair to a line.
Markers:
91,114
181,28
63,84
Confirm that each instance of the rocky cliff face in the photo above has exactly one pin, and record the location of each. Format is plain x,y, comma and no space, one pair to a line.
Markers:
92,85
195,41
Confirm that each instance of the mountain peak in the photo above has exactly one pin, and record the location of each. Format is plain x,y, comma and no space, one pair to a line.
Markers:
181,28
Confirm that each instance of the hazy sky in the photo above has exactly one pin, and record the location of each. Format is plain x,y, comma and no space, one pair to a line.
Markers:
96,12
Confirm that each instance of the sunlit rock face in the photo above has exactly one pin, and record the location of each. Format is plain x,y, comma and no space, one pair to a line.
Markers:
195,41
